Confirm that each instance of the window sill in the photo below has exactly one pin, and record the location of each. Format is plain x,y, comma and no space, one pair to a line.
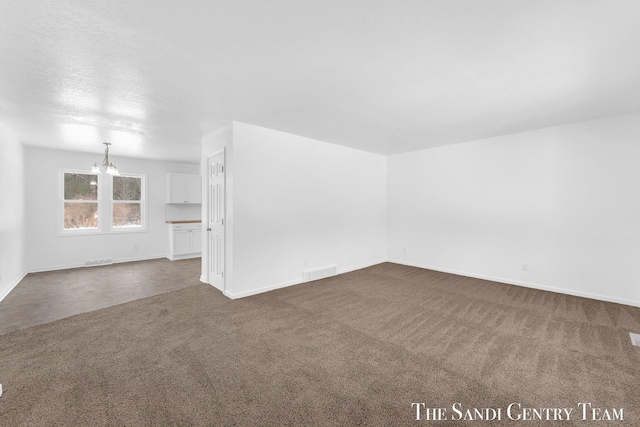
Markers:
76,233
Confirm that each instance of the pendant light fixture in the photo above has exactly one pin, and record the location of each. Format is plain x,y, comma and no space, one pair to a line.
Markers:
109,167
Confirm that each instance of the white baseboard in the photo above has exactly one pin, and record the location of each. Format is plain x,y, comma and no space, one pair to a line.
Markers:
262,290
54,268
361,266
179,257
292,282
4,292
78,265
140,258
204,280
523,284
231,295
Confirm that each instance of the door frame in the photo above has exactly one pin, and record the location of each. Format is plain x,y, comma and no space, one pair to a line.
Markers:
224,215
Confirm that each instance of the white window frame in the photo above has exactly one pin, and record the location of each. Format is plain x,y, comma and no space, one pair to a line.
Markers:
61,201
105,206
143,205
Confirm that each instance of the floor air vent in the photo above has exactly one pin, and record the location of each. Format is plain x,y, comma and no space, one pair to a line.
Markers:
98,262
319,273
635,339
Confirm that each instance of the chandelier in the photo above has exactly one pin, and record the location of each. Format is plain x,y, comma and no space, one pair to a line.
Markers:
109,167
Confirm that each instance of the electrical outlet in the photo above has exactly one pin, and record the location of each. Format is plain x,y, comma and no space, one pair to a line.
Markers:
135,248
525,267
404,251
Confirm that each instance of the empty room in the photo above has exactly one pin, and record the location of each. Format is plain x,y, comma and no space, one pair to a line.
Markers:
319,213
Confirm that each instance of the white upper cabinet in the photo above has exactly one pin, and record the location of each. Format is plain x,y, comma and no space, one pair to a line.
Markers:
184,188
177,185
194,189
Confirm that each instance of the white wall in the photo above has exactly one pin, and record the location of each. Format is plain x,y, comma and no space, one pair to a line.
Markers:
297,199
563,200
186,212
46,251
12,207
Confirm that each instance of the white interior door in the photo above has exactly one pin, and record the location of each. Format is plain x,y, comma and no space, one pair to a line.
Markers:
215,221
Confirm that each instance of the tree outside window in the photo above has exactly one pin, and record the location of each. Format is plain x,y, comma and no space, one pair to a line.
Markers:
98,204
127,201
80,201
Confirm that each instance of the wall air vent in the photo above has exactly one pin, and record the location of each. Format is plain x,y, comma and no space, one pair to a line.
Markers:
98,262
635,339
319,273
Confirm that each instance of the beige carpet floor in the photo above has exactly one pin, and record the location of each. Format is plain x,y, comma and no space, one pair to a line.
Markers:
356,349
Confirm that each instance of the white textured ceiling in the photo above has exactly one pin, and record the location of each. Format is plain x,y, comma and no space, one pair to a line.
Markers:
153,76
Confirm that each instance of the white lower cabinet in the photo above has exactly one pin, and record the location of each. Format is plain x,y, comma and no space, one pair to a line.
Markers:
185,241
196,242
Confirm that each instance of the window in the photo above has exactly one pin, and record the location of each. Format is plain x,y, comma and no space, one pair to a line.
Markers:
80,201
127,202
97,204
